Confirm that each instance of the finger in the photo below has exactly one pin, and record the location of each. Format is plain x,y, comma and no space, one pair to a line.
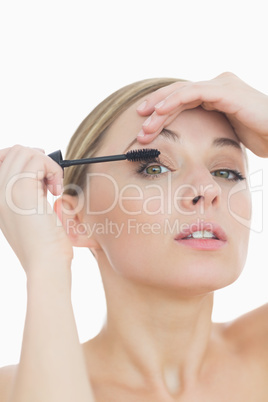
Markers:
48,171
16,148
216,94
54,183
155,121
191,97
13,160
3,153
148,105
145,138
40,150
19,159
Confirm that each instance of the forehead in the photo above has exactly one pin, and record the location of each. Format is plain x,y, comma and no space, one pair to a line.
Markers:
124,129
193,125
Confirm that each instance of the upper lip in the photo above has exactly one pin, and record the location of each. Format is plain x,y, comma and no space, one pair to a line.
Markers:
216,229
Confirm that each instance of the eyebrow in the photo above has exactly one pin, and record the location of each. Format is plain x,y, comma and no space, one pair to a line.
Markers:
226,142
169,134
218,142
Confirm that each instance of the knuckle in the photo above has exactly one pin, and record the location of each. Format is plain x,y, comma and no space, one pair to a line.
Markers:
166,89
227,74
197,85
35,157
17,148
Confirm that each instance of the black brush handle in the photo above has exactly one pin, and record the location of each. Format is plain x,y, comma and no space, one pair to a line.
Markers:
57,157
97,159
133,156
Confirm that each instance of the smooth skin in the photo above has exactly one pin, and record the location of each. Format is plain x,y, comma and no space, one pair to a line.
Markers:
155,346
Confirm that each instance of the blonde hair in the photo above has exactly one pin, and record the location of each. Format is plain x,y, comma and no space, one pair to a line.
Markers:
89,136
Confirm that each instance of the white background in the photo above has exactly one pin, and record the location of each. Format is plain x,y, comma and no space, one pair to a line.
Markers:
60,58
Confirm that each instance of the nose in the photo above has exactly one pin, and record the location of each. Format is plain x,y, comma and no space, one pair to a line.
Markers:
199,192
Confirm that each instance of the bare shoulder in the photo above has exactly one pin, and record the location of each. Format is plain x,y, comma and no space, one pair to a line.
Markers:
250,332
253,323
7,375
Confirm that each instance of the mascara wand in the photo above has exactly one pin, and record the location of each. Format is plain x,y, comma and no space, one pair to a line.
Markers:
132,156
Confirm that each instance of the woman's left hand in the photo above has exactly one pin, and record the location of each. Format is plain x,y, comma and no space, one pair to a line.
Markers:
245,108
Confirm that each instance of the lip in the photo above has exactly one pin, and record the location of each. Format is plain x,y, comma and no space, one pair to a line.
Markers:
202,244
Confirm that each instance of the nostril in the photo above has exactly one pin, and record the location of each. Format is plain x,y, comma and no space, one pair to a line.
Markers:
196,199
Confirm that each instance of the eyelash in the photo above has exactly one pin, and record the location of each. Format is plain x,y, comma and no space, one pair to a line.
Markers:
156,162
237,175
143,165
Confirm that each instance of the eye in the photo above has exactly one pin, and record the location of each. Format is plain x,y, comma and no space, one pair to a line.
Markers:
152,169
156,169
232,175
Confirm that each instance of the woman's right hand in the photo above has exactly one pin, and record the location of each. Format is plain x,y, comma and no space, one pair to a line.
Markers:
26,218
244,107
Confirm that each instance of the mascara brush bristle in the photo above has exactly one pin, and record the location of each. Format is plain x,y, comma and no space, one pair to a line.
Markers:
142,154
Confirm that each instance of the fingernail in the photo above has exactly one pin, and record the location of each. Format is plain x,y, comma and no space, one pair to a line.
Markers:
142,106
141,134
160,104
147,122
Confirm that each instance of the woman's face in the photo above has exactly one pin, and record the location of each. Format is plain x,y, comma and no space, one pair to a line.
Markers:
180,222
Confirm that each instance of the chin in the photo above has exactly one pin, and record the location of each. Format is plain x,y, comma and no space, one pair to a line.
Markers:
188,274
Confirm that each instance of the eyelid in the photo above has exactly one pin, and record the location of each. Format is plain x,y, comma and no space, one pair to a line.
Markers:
160,160
164,160
146,164
224,161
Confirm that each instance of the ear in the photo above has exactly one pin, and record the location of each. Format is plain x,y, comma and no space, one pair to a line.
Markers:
66,207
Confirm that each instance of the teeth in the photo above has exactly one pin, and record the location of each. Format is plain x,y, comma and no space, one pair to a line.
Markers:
202,234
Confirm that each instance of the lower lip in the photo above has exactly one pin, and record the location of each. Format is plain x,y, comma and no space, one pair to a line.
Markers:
202,244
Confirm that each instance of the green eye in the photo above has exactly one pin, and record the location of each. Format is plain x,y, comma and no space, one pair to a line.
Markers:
152,169
155,169
227,174
222,173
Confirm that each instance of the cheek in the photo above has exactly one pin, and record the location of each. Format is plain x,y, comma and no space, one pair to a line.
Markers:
238,202
146,201
101,194
107,197
127,223
239,205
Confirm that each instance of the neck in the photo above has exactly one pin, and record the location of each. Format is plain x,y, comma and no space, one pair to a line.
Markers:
158,335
